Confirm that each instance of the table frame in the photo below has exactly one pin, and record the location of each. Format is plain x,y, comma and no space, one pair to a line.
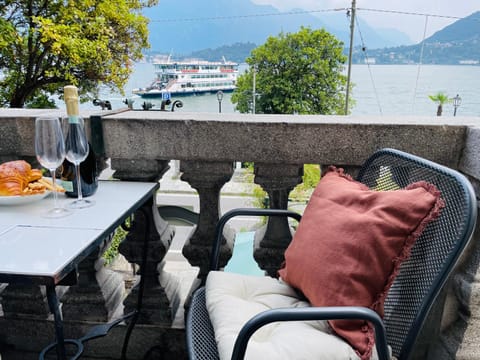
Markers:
66,274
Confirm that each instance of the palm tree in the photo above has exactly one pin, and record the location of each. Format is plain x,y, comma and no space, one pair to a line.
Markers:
440,98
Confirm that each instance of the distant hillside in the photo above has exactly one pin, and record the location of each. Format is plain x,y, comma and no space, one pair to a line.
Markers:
466,29
458,43
182,27
237,52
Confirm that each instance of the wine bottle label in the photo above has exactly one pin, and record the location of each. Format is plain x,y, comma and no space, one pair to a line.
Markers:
67,185
73,119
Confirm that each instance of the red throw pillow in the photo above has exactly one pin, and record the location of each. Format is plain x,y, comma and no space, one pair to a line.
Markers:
350,243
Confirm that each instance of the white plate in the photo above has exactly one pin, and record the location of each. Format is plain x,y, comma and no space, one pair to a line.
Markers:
20,200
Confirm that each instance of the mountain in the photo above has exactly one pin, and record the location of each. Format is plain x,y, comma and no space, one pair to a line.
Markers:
394,37
183,26
466,29
237,52
339,24
458,43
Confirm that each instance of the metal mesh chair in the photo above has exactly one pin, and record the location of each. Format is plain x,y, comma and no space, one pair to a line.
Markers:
414,290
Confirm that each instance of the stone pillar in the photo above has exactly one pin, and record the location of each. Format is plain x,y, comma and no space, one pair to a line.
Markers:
272,240
155,304
208,179
98,293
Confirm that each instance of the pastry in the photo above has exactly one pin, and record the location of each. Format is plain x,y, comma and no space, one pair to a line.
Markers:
15,177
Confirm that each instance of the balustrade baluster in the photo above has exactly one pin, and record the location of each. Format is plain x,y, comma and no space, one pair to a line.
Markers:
272,240
208,179
155,305
98,293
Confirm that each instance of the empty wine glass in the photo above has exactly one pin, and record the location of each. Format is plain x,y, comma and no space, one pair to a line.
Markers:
50,151
76,145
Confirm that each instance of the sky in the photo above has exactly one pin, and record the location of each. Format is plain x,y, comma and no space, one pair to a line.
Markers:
414,26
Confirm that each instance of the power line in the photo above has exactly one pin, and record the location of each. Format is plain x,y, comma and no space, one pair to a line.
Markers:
303,12
420,62
364,49
230,17
411,13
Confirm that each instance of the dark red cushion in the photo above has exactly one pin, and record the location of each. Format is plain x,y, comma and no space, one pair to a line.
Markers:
350,243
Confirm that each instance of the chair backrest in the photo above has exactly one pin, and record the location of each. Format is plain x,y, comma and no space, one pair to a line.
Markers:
435,253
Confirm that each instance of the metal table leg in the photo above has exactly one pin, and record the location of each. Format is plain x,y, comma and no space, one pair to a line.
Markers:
99,330
141,290
54,306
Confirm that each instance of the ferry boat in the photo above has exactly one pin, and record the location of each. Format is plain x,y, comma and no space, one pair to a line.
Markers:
190,78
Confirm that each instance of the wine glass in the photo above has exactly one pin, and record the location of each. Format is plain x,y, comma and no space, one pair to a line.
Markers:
76,145
50,151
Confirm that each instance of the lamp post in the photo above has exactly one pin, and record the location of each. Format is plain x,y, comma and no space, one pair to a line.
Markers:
220,98
457,101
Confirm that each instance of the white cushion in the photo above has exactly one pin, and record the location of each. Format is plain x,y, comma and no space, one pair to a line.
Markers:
232,299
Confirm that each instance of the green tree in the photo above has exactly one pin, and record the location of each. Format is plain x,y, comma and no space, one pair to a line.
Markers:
295,73
46,44
441,99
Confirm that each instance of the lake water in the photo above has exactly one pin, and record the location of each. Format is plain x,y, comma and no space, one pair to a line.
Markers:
378,90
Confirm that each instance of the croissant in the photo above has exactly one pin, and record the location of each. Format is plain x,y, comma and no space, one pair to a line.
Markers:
15,177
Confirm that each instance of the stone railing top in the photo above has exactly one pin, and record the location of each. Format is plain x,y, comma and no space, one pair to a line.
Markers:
296,119
281,139
125,113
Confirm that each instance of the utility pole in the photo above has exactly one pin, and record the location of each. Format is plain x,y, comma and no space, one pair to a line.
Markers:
352,28
254,88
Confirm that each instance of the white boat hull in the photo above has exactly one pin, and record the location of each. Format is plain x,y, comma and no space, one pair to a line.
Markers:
190,78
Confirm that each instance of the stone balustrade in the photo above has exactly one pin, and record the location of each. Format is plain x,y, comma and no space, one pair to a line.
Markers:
140,145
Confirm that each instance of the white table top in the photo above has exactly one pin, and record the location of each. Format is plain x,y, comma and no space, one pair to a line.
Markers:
42,250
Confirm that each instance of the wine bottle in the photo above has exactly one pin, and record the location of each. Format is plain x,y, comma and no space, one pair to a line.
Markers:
88,167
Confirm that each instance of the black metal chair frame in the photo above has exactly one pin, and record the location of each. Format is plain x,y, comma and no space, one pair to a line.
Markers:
414,290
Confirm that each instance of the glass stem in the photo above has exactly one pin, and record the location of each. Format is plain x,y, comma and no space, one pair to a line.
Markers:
79,182
52,172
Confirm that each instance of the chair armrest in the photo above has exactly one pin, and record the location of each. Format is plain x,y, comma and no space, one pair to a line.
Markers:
312,313
242,212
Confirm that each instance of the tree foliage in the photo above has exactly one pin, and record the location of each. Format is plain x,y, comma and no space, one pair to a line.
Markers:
46,44
441,99
297,73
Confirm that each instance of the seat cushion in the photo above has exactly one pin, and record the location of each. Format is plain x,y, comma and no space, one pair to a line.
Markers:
232,299
350,243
